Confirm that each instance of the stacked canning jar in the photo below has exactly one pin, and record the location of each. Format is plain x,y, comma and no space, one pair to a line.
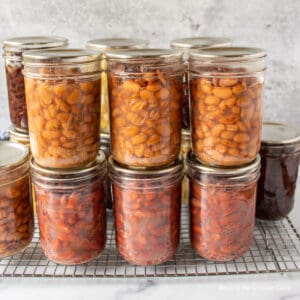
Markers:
68,172
145,89
226,86
102,46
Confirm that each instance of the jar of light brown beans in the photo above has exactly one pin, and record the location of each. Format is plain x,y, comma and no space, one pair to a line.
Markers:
226,86
103,45
145,89
63,102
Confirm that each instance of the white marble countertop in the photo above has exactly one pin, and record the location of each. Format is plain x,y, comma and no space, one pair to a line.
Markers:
284,286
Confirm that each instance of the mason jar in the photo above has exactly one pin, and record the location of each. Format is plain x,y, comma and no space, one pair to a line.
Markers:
16,218
226,86
280,157
222,208
147,212
19,137
104,45
186,45
13,49
145,89
63,102
71,211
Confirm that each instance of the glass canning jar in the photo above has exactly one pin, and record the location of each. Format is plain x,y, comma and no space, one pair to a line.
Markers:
19,137
186,45
63,102
16,218
103,45
280,156
222,208
185,148
147,212
105,147
145,89
226,86
71,211
13,49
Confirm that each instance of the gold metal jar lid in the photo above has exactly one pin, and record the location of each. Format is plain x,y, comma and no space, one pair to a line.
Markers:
59,56
147,53
237,172
116,43
12,155
18,136
200,42
34,42
227,53
277,134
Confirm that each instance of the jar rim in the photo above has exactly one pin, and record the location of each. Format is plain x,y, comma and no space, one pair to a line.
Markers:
59,56
34,42
144,53
231,172
12,155
279,134
157,172
20,135
116,43
200,42
231,53
98,164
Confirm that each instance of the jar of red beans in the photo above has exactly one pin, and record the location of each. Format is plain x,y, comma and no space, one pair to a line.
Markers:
145,87
63,103
280,157
16,218
147,212
226,92
71,211
186,45
13,50
222,208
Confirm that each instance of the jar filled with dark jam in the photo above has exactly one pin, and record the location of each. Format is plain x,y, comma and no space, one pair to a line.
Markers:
280,157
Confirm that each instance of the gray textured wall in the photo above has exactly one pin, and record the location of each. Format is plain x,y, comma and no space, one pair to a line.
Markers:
270,24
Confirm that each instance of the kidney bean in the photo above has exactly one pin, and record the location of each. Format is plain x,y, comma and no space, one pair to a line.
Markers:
72,221
16,219
64,118
221,219
16,95
145,118
226,119
147,222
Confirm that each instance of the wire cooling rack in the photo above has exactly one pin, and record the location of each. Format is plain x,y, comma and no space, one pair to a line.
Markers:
276,248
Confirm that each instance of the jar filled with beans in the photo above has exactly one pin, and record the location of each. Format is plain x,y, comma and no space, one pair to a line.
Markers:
103,45
186,45
145,89
147,212
280,158
16,218
185,148
71,211
63,102
105,147
13,49
222,208
226,86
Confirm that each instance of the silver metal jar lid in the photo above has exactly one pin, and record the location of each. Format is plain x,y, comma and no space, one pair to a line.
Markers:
98,163
279,134
34,42
200,42
246,170
12,154
61,56
19,135
186,134
117,169
150,53
116,43
227,53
